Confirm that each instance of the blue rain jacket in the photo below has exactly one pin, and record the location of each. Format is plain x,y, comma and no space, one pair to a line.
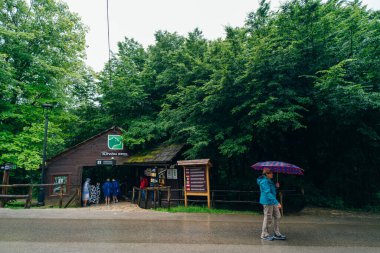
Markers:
115,188
107,189
267,191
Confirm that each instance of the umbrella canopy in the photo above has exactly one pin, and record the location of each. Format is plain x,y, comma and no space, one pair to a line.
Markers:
279,167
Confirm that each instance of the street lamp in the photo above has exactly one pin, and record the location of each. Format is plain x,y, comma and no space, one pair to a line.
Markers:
41,196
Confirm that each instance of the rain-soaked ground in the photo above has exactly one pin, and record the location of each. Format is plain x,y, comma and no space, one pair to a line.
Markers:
123,227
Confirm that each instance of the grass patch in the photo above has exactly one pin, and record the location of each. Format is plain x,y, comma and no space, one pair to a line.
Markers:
15,204
202,209
21,205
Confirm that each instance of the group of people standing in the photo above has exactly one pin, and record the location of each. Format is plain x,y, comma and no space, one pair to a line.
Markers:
91,193
111,189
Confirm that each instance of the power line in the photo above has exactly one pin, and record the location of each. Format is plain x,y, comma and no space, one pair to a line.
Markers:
109,47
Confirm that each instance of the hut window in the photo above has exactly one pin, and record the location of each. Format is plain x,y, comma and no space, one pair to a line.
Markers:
60,179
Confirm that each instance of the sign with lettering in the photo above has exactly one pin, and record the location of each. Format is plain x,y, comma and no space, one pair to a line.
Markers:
105,162
8,166
171,174
106,154
115,142
60,179
195,179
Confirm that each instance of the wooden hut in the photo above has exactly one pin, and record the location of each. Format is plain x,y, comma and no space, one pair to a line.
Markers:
104,156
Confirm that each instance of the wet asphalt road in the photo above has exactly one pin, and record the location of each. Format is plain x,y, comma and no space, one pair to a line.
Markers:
85,230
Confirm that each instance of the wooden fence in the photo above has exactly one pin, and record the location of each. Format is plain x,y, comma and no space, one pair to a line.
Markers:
160,194
232,197
4,197
157,195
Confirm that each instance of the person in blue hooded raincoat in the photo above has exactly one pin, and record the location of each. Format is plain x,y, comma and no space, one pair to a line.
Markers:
270,205
115,190
107,191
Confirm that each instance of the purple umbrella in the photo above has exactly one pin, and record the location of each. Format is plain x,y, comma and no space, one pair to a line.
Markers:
279,167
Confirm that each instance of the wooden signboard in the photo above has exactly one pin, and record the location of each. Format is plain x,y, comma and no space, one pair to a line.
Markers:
196,178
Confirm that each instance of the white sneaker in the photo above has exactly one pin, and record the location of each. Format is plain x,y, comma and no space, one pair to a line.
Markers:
279,237
267,238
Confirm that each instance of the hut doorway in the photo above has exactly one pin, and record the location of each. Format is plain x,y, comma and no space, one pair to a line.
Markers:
126,176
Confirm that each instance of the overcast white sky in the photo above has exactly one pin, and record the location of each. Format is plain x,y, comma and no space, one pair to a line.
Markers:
140,19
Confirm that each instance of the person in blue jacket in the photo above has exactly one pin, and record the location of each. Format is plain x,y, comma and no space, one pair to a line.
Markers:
271,206
107,191
115,190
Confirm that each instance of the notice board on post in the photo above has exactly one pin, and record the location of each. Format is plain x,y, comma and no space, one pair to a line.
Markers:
196,178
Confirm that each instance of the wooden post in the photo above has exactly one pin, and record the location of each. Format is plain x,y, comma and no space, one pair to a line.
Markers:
5,181
139,198
29,199
208,187
133,196
146,198
184,187
154,197
159,197
79,196
169,197
4,190
60,195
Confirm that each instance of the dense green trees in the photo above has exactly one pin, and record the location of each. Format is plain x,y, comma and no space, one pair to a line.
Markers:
300,84
41,49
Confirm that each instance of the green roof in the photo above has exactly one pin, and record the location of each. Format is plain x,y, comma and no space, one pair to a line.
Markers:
161,154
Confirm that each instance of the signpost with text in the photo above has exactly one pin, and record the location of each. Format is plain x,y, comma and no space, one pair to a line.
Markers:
196,178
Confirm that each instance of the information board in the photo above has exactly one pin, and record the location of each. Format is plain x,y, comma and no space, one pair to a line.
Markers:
172,174
8,166
105,162
196,176
195,179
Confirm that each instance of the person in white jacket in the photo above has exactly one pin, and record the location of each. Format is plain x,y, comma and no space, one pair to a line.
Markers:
86,192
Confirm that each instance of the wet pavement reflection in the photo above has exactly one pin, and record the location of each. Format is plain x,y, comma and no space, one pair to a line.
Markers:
158,228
